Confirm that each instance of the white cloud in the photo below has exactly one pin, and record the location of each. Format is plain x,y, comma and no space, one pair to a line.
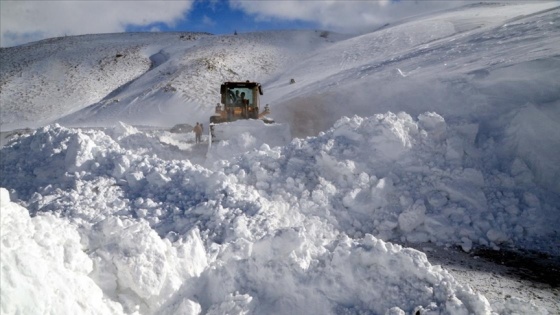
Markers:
23,21
341,15
208,21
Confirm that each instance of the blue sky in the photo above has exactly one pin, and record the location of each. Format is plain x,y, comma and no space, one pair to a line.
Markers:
23,21
219,18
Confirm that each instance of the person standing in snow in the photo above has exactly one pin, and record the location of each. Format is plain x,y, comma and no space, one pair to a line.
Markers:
197,132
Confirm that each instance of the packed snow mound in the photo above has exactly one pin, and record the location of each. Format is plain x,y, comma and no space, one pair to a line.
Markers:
121,266
412,181
389,175
43,261
299,228
232,139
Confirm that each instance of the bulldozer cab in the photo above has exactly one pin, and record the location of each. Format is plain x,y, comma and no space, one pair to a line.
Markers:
235,94
239,100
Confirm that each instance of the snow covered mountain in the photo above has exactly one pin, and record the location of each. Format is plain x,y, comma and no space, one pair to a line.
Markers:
151,79
440,129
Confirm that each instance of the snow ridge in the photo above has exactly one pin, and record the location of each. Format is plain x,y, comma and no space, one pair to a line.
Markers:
299,227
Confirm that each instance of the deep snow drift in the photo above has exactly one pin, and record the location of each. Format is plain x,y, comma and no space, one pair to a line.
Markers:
293,229
442,129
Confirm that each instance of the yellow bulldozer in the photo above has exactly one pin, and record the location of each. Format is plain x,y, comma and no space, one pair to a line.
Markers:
239,100
239,123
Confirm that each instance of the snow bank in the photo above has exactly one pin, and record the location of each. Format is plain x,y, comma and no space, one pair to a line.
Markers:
45,269
125,264
408,180
235,138
287,230
278,230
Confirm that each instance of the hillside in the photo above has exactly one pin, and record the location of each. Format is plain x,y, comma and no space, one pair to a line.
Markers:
152,79
439,133
470,65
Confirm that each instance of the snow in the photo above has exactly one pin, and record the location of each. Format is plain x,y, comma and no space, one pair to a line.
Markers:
236,138
423,132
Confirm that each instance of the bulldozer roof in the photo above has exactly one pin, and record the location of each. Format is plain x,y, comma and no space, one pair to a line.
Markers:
246,84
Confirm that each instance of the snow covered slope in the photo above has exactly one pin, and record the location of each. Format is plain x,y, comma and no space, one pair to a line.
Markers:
441,129
472,65
149,79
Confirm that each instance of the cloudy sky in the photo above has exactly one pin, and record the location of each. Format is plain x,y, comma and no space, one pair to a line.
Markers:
23,21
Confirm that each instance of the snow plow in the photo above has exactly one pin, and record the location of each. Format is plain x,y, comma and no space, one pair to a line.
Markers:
239,125
239,100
